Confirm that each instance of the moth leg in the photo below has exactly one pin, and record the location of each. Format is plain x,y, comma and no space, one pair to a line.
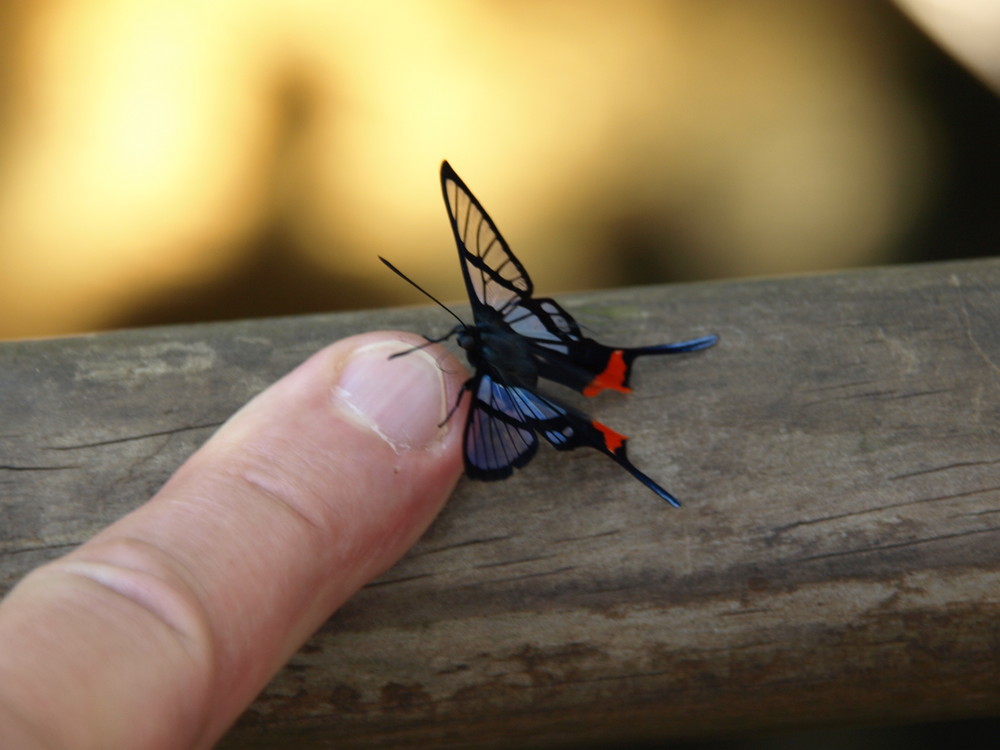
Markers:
466,386
439,339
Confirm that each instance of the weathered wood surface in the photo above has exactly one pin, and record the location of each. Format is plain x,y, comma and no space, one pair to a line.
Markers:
837,559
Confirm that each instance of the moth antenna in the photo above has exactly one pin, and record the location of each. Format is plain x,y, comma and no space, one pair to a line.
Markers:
423,291
427,343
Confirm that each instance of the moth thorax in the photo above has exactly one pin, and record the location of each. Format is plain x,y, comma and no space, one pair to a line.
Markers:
467,338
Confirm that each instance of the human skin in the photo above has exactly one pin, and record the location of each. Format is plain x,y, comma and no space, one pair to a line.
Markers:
162,628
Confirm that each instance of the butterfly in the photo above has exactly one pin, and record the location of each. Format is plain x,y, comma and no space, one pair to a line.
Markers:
517,339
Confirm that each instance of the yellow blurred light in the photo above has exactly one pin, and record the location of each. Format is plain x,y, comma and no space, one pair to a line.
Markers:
119,183
150,145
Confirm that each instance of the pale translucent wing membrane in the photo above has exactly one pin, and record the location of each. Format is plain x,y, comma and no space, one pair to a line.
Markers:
493,276
497,436
494,447
518,403
500,434
545,323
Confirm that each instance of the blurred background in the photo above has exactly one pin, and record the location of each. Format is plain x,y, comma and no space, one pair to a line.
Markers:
180,160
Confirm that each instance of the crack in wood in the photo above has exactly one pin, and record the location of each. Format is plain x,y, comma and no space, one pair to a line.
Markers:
518,561
133,438
946,467
896,545
13,467
459,545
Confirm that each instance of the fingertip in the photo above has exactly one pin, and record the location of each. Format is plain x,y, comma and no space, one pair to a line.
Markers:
354,441
397,391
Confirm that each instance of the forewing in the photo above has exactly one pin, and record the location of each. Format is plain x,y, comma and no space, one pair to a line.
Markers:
545,323
493,276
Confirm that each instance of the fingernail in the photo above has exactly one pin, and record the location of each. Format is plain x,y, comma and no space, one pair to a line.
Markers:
402,400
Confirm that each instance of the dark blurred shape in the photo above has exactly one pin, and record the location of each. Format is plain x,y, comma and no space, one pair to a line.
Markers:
962,220
273,276
272,279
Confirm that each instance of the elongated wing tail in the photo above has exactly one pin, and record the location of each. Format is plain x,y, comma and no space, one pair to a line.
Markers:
589,367
613,444
620,458
616,376
692,345
574,429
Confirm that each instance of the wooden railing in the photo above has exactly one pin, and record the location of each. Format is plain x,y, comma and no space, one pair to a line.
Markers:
837,558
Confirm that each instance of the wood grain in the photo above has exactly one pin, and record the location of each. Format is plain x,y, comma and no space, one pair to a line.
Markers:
837,559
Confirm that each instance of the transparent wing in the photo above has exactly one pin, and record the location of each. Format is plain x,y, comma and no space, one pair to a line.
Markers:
493,276
500,432
497,440
544,322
